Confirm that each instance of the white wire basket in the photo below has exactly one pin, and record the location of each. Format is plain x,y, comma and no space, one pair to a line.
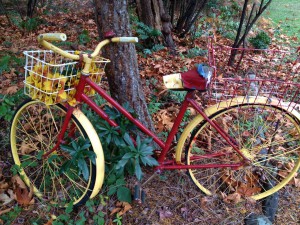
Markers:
52,78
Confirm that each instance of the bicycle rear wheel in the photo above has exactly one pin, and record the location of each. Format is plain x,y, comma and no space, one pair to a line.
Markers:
69,174
266,134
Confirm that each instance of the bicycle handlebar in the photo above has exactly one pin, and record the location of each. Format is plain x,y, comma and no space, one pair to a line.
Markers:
45,38
52,37
125,39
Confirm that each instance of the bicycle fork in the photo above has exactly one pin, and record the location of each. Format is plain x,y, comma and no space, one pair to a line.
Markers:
62,132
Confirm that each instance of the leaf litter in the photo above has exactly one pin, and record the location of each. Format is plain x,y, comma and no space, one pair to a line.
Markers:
168,202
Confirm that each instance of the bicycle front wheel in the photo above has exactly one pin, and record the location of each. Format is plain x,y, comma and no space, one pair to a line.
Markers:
70,173
266,134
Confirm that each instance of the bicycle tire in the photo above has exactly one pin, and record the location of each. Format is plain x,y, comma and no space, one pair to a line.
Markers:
33,132
274,152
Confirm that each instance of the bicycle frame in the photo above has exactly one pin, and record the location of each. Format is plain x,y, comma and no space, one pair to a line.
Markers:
165,146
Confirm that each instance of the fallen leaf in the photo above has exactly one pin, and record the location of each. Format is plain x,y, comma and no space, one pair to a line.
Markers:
24,197
49,222
17,181
235,198
203,203
164,213
3,185
6,198
121,208
247,191
5,211
11,90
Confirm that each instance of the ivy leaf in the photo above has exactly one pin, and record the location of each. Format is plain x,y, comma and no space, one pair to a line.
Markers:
69,208
120,182
112,190
124,194
111,179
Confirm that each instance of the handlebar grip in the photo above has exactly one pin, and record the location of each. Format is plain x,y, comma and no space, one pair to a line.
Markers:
125,39
52,37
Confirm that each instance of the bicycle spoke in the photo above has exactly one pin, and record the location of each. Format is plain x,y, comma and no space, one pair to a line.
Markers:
268,136
36,128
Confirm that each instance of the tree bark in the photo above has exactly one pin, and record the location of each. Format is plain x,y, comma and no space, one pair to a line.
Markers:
188,12
31,4
122,72
152,13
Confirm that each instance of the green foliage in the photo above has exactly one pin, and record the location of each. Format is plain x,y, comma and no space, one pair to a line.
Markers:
153,107
8,103
148,38
116,185
118,220
4,63
213,4
72,216
177,96
12,215
145,32
10,61
261,40
79,153
30,24
227,18
194,52
84,37
137,154
119,150
157,48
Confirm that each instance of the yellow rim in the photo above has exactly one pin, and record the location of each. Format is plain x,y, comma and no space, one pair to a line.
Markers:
213,110
86,126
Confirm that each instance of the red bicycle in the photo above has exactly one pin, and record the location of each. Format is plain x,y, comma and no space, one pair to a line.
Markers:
247,137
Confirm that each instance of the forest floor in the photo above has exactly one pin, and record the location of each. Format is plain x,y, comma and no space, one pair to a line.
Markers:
171,197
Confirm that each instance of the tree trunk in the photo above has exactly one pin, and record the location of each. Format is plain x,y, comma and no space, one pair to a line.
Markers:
188,12
239,39
31,4
122,72
150,11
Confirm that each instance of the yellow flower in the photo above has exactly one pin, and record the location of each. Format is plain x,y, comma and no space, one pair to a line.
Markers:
49,100
48,86
72,102
61,96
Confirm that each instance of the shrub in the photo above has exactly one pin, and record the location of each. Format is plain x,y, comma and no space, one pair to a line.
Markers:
148,38
261,40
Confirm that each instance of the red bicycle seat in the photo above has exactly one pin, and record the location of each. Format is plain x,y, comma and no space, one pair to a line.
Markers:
193,80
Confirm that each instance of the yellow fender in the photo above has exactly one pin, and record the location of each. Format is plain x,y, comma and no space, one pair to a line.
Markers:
95,142
97,147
